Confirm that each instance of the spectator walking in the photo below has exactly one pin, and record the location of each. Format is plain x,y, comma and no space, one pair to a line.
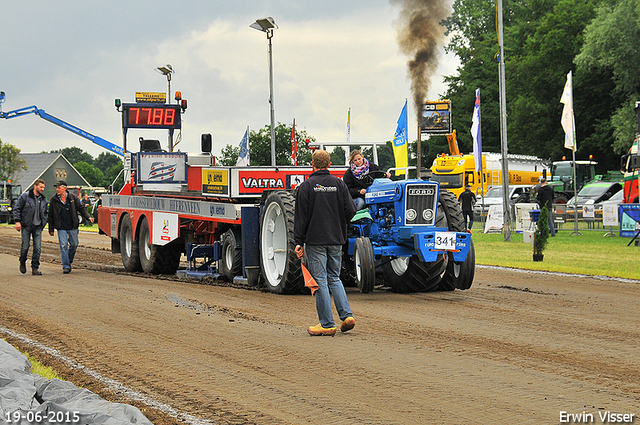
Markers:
323,209
545,199
87,204
63,217
30,216
96,205
468,200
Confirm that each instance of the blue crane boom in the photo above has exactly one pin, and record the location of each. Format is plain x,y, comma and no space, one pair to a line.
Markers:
57,121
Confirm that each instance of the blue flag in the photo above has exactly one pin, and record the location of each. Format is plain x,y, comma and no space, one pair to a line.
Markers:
243,158
400,140
475,133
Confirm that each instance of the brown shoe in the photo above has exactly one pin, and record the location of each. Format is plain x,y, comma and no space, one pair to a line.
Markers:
318,330
347,324
36,272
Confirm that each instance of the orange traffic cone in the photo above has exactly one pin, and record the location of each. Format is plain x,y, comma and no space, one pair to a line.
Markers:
309,281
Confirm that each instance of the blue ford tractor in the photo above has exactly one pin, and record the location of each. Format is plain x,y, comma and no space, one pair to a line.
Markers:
414,231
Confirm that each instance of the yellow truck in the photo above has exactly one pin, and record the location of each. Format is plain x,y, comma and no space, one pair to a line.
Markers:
454,172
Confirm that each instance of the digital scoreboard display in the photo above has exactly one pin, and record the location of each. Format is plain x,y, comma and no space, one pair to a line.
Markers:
150,115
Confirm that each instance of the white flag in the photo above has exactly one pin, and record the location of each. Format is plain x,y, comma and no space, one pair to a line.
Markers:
568,120
475,133
347,151
243,158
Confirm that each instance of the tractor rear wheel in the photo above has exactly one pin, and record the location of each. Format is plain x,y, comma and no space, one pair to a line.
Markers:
561,199
279,262
128,246
364,263
457,275
395,272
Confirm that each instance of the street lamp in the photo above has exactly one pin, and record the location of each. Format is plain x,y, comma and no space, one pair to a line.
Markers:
167,70
267,25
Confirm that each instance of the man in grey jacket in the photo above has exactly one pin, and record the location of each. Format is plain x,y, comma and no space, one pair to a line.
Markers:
30,216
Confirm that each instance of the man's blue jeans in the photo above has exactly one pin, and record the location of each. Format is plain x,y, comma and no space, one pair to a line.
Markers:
360,203
324,262
27,234
552,227
68,240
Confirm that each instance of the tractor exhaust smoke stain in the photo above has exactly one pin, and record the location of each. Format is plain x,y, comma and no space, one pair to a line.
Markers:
420,35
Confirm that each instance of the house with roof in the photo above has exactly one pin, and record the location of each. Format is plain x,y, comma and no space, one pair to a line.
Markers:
49,167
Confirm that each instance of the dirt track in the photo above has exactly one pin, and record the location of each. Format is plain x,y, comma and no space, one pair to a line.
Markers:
515,348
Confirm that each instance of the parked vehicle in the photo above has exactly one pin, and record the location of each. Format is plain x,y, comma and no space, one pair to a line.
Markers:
630,163
618,198
561,179
454,172
517,194
9,194
595,193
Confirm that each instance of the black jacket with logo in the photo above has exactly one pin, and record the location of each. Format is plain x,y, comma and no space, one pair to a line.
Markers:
323,210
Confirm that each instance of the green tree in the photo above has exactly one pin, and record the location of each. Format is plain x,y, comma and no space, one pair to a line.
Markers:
338,155
75,155
260,147
229,155
92,174
106,160
11,165
541,40
538,76
474,41
611,45
110,177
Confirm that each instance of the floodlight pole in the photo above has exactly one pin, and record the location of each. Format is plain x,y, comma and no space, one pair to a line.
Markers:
167,71
506,215
267,25
271,105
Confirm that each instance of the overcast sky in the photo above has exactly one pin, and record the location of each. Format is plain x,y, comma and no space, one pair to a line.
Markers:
72,58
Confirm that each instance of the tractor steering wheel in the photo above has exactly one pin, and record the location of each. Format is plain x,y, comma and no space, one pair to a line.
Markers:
372,175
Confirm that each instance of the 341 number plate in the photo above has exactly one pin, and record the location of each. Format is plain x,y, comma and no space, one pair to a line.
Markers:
445,241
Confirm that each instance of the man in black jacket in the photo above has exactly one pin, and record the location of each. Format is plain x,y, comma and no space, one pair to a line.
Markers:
323,210
545,199
63,216
30,216
467,199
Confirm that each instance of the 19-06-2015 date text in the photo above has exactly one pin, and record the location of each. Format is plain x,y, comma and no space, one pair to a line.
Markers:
35,417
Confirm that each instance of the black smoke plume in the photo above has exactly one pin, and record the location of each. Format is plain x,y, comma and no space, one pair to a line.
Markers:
420,36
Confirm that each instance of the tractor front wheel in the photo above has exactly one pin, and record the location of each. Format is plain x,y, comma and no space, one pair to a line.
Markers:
364,263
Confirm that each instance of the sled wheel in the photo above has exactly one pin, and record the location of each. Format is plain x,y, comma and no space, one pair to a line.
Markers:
231,263
129,246
280,264
364,263
156,259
